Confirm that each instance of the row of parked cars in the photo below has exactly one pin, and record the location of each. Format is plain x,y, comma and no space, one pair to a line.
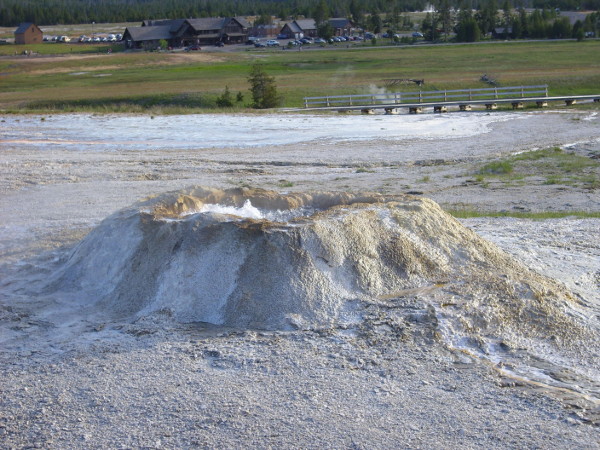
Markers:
309,40
299,42
85,39
57,39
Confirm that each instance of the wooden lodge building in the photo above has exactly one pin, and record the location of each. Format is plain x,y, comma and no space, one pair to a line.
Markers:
185,32
28,33
308,28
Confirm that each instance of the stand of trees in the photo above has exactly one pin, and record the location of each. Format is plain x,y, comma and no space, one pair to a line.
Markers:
52,12
517,24
370,14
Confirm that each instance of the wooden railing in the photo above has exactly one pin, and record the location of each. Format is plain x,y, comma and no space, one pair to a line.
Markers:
398,98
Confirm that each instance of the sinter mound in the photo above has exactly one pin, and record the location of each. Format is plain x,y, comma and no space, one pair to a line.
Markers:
309,260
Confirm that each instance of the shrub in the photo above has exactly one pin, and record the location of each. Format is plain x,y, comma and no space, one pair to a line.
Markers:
225,100
497,168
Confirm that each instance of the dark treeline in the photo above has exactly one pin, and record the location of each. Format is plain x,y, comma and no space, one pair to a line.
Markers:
52,12
510,23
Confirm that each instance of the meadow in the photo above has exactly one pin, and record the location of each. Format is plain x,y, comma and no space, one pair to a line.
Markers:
87,78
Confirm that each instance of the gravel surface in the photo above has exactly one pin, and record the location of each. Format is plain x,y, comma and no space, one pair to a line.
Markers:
69,381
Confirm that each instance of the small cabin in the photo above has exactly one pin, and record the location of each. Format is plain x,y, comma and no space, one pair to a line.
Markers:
28,33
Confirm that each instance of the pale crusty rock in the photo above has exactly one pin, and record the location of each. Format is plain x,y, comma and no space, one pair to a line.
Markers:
317,270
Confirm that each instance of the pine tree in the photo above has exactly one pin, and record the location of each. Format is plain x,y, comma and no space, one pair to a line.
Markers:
263,88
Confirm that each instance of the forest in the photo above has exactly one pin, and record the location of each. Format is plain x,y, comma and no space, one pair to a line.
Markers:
53,12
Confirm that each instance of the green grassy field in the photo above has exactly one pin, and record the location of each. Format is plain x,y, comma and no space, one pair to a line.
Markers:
57,49
179,82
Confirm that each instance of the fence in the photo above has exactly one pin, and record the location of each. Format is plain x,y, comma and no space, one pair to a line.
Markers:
398,98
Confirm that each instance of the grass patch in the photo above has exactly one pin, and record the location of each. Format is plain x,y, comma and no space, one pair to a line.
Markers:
50,48
496,168
142,103
471,214
298,74
555,179
160,104
557,166
285,184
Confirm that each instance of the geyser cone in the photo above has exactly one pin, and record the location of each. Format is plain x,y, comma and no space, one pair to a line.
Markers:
309,259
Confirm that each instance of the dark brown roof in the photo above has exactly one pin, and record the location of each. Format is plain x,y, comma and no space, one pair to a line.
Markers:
168,29
149,33
208,23
24,27
339,22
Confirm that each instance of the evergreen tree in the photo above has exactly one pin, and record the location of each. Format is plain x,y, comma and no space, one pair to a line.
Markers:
506,18
325,30
578,31
487,16
467,29
444,13
430,26
524,24
321,13
356,13
225,100
375,23
263,88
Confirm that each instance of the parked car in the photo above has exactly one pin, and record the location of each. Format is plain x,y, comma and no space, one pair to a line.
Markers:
260,44
220,44
282,36
193,48
252,40
320,41
272,43
416,34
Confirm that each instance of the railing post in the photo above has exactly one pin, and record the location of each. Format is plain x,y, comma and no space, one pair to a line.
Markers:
496,93
327,101
546,90
470,95
350,100
420,96
305,102
522,92
445,95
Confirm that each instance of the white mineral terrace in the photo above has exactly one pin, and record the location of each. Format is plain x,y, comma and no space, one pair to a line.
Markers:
86,131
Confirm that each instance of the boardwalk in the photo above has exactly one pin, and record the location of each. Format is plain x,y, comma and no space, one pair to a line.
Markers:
440,101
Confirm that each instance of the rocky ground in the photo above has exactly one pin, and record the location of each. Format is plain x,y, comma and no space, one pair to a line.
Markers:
69,381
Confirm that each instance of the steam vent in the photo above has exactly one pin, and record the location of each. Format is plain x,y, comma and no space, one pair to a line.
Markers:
258,259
